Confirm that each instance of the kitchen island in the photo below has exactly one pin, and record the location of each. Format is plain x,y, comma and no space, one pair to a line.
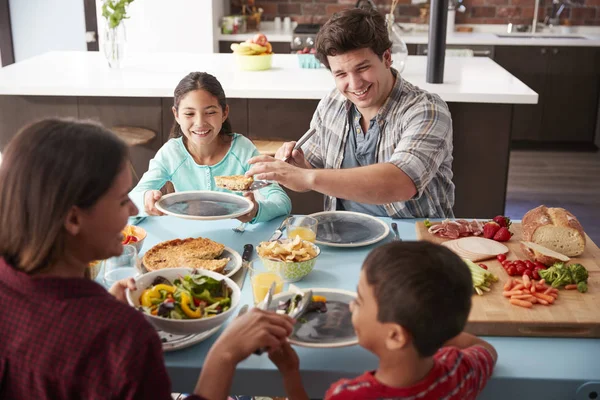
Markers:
274,104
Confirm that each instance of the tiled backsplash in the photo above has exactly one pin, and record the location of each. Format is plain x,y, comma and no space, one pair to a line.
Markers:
478,11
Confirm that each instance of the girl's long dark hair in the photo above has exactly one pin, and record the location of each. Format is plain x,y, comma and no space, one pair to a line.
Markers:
200,81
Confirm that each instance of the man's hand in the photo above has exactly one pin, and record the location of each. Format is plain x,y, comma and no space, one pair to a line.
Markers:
150,199
268,168
250,216
293,157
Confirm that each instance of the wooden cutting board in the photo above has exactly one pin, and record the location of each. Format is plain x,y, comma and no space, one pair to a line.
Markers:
574,314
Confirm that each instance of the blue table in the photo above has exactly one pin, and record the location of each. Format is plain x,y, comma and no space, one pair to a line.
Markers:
528,368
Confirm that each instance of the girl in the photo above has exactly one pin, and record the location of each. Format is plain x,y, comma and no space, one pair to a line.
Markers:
63,203
201,147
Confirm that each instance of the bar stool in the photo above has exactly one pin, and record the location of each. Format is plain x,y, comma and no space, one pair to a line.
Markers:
134,136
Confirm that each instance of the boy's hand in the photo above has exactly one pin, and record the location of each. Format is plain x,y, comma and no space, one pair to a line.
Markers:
285,359
250,216
150,199
118,288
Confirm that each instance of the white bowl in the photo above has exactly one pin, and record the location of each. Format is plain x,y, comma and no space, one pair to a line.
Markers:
185,326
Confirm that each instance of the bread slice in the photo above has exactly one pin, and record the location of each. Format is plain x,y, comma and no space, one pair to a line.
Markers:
190,252
546,256
234,182
554,228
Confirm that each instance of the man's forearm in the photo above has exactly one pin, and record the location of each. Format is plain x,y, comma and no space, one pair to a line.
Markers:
216,376
374,184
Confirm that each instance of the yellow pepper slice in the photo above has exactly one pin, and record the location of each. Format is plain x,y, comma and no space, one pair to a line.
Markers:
185,306
154,293
319,299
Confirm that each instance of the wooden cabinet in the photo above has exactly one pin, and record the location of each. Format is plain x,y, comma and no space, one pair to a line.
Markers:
567,80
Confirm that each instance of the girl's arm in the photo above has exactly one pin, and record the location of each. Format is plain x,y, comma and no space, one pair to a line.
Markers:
275,203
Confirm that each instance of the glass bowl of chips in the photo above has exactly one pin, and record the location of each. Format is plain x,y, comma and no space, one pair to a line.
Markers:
292,259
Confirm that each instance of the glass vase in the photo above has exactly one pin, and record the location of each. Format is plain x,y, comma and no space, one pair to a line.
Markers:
114,45
399,48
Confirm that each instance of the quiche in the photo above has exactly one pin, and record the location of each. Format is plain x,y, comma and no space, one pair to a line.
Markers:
234,182
199,253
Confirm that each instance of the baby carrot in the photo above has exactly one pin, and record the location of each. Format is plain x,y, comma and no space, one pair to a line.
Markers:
508,284
521,303
571,287
526,281
518,286
546,297
512,293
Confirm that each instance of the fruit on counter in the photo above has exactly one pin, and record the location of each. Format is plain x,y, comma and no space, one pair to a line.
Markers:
503,235
502,221
307,50
554,228
257,46
490,229
546,256
482,279
561,274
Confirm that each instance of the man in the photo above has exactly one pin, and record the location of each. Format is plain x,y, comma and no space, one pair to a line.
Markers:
382,146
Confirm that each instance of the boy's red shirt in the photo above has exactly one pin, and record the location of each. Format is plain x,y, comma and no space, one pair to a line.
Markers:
456,374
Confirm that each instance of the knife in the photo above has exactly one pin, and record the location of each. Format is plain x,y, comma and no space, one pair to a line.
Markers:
240,276
395,229
279,231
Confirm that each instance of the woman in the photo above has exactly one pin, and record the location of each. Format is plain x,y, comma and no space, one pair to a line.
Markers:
63,203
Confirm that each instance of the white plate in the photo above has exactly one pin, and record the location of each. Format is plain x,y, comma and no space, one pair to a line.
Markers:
349,229
324,330
204,205
233,266
172,342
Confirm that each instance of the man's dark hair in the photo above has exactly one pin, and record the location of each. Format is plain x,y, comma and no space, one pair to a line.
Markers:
422,287
352,29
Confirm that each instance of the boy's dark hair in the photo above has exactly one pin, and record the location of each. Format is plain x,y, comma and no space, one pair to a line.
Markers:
423,287
200,81
352,29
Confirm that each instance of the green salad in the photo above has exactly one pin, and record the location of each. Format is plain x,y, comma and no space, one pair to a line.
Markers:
189,297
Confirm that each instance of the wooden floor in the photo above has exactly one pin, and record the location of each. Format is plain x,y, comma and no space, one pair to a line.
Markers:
556,179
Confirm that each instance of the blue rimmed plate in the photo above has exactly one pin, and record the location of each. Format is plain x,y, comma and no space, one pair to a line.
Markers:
204,205
349,229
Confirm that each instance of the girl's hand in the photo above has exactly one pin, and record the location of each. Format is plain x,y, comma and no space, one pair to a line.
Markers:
250,216
118,289
150,199
285,359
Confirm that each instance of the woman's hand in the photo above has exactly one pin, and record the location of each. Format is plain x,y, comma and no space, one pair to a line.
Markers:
118,288
258,329
250,216
150,199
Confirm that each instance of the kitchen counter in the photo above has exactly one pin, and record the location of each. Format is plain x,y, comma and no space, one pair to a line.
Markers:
487,36
467,80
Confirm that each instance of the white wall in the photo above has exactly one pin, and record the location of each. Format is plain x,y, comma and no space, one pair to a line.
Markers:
39,26
170,25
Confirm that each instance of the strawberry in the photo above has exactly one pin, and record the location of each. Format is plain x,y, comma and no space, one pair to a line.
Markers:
502,221
490,229
503,235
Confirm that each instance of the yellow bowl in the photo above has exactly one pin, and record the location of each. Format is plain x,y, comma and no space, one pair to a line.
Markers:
254,63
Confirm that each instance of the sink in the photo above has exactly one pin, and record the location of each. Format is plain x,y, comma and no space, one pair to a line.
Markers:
532,36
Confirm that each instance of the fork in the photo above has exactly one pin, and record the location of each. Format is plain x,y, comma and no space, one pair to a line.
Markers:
240,228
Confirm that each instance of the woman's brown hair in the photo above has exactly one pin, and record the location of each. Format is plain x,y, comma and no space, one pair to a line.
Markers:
200,81
352,29
47,168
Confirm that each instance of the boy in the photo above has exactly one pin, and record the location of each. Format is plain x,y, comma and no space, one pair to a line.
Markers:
413,302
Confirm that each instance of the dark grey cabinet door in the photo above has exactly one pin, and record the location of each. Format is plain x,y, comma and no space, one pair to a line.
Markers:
528,64
572,89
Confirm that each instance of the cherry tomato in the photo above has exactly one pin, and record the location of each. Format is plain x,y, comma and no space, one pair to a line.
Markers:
520,269
528,273
530,264
512,271
483,266
520,263
540,265
501,257
535,273
133,239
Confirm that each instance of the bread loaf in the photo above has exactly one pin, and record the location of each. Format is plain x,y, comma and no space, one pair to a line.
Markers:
554,228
